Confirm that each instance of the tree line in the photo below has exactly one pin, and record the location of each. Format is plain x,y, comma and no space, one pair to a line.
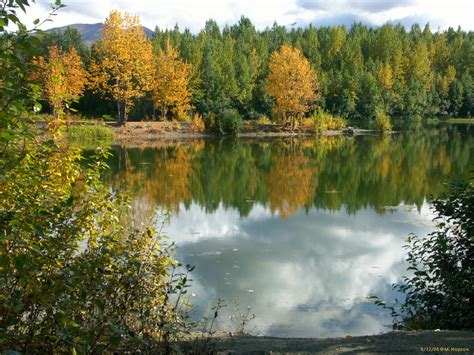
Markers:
281,73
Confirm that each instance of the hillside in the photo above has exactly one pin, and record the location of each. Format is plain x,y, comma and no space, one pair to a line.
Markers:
90,32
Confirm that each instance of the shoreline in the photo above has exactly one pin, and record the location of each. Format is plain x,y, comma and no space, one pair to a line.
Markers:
403,342
152,131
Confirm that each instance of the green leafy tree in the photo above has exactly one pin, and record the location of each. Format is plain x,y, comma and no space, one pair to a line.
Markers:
310,46
68,39
439,291
218,82
369,98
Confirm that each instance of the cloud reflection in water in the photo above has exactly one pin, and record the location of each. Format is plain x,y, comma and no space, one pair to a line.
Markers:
309,274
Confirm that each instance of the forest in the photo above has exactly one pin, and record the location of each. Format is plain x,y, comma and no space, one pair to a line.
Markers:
81,274
355,73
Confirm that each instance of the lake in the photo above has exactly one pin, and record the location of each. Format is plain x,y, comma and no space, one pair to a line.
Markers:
302,231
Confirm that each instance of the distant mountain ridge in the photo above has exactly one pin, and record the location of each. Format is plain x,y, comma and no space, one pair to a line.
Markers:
90,32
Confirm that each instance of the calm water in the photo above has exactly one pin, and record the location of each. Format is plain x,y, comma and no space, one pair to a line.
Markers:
302,231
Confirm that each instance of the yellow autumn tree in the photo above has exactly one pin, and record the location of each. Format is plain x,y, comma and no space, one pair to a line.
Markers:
385,76
292,83
62,77
123,62
171,84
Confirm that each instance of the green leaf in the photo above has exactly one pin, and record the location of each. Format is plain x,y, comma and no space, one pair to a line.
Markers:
69,201
72,324
37,107
115,340
39,232
13,18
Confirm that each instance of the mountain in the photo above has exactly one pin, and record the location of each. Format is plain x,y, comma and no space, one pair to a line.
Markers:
90,32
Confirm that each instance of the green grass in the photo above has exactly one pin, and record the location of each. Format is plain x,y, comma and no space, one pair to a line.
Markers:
450,120
90,136
90,132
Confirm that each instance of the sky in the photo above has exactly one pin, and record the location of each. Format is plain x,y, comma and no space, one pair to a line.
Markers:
193,14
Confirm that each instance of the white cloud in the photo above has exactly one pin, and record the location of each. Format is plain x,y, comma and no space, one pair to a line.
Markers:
193,14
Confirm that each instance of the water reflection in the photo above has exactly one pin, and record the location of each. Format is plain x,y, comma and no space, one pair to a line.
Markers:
301,230
330,173
308,275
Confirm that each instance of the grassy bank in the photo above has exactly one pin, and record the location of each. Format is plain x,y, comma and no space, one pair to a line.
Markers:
90,131
451,120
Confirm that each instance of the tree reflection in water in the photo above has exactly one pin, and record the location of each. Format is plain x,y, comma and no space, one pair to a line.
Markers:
286,175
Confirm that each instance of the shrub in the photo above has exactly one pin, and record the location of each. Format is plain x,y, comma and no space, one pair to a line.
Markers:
75,275
325,121
263,120
308,122
439,294
229,122
197,124
382,122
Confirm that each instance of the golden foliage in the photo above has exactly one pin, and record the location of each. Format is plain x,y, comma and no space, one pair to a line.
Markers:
62,77
292,83
308,122
198,124
385,76
171,84
263,120
123,62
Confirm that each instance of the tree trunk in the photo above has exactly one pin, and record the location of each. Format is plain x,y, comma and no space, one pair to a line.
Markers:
122,115
164,111
119,118
125,113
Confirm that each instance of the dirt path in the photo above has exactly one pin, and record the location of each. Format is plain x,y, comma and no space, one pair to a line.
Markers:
399,342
